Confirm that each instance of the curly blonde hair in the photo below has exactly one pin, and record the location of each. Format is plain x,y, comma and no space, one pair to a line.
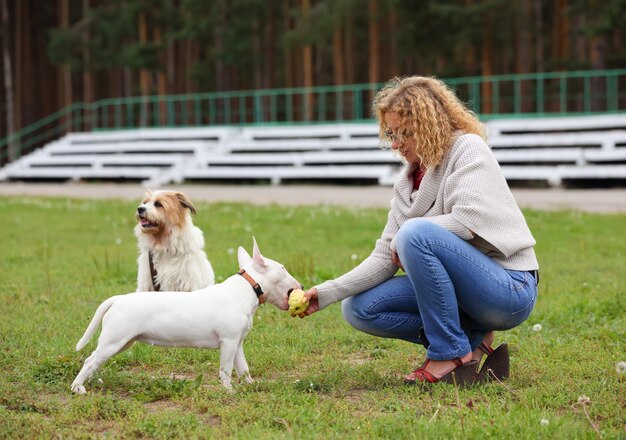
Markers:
430,111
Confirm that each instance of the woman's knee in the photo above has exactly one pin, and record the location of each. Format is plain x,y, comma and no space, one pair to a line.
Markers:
352,309
354,314
415,231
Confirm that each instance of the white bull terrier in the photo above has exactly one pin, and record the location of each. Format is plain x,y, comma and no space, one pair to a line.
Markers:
218,316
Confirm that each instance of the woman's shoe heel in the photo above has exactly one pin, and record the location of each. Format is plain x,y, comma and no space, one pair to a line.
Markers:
496,366
462,376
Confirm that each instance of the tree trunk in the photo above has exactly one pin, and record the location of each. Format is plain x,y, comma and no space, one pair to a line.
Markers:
560,43
257,71
539,60
129,80
598,62
191,56
469,57
161,81
221,77
88,81
581,43
523,38
374,60
258,111
349,48
38,75
172,61
338,73
307,66
269,51
8,82
486,70
267,56
65,86
288,63
523,60
144,74
393,65
597,57
560,31
21,9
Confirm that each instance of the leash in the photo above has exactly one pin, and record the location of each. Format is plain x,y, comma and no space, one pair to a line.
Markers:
153,272
254,284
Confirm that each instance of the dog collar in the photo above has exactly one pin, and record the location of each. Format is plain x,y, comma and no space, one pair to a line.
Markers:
254,284
153,273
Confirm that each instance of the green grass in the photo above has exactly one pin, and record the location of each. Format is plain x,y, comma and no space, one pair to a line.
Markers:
315,378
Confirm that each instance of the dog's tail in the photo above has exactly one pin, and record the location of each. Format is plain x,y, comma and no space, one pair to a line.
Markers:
95,322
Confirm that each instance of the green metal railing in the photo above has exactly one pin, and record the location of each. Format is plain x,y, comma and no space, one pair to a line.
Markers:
501,96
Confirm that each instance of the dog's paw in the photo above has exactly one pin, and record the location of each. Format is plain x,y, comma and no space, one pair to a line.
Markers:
79,389
248,378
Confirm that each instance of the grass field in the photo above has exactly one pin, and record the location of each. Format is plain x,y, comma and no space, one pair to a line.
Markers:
315,378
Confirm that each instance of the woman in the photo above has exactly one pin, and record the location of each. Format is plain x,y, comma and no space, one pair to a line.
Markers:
456,231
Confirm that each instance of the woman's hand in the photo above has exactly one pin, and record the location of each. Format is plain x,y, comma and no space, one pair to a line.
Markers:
314,305
396,260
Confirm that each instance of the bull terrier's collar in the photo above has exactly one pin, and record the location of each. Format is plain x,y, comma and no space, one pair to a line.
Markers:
254,284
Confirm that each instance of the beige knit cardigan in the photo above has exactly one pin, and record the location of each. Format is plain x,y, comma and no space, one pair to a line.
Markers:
468,195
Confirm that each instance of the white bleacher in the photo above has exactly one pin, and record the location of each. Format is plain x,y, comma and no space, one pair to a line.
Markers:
551,150
560,148
557,124
332,152
155,156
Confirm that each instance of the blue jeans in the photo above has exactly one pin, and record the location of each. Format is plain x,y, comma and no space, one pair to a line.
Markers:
451,296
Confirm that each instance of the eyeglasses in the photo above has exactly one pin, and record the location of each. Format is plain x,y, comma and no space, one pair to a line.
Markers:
400,137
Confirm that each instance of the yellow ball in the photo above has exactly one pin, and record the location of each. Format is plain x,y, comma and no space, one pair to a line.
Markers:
298,303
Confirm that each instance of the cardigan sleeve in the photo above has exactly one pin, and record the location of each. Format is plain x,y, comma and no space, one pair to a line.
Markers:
371,272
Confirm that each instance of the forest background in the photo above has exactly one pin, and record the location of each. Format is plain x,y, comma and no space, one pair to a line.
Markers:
59,52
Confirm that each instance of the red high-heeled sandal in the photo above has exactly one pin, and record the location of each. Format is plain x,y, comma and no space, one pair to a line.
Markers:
462,375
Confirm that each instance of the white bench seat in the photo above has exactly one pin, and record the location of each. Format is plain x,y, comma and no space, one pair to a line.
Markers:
279,173
77,173
112,160
207,134
342,131
608,140
302,145
299,159
558,124
555,175
142,147
579,156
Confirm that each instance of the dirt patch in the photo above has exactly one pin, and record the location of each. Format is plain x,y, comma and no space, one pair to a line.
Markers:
358,358
162,405
103,427
355,396
360,405
182,376
210,419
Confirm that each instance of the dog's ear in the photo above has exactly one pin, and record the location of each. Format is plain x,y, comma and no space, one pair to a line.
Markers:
182,198
243,257
256,255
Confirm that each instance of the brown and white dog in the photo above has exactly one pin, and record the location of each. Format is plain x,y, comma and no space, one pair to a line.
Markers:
171,248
